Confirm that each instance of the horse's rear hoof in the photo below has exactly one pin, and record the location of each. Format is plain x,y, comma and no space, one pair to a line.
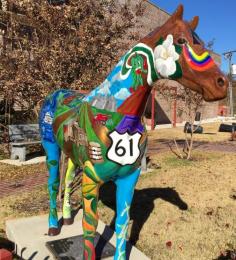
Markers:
53,231
68,221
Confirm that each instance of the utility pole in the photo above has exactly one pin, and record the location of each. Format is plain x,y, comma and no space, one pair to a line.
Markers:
228,55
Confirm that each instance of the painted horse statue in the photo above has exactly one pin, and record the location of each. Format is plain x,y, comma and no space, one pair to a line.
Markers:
103,132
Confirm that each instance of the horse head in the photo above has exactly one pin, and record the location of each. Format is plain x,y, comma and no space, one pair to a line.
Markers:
181,55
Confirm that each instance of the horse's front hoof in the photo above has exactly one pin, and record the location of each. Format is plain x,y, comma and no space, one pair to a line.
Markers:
53,231
68,221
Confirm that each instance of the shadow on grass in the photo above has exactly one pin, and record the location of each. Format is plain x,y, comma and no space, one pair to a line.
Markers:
142,205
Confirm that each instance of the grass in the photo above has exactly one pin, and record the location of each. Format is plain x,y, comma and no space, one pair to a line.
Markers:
23,204
203,231
210,134
11,172
184,210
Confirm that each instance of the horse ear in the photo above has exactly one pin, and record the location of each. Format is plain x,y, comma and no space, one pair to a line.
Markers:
178,14
194,23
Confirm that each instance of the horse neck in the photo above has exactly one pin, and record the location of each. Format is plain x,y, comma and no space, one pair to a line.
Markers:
127,87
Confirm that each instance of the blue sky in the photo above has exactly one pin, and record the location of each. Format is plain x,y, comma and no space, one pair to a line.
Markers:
217,20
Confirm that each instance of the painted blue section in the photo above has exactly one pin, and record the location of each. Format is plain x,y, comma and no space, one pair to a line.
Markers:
53,154
113,86
51,148
47,113
124,196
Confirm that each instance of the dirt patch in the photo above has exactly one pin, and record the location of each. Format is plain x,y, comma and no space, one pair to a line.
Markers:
163,145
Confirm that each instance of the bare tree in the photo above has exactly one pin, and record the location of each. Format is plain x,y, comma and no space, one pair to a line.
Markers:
46,47
189,103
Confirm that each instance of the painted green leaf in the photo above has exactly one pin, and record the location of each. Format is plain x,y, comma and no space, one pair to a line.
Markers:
89,196
89,235
94,206
160,41
90,219
178,49
55,186
48,165
53,213
87,188
53,162
54,196
178,73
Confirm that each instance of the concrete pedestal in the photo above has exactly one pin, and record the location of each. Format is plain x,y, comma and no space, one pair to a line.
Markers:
30,236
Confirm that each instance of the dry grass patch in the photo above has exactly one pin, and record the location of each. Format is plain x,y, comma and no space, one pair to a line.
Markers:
184,210
210,133
169,230
11,172
23,204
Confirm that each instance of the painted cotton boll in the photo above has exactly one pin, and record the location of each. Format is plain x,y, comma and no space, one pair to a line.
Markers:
165,57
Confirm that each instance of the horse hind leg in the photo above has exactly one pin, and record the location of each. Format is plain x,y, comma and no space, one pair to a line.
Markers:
53,157
70,174
90,190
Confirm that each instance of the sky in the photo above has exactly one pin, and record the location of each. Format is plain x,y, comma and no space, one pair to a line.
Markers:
217,21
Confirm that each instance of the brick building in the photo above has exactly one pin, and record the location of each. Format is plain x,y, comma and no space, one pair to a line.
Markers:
153,17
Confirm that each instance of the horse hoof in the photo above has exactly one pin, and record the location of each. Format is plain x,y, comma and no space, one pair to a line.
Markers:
68,221
53,231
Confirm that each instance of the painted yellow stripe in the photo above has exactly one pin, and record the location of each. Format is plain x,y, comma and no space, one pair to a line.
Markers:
198,57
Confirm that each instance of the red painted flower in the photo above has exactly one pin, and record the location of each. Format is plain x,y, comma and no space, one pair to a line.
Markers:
145,65
101,117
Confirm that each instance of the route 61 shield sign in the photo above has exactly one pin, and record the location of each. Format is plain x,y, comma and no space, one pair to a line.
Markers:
124,148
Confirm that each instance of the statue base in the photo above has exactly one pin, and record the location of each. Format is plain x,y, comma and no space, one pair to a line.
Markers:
72,248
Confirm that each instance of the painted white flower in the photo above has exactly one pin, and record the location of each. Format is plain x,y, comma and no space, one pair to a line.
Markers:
165,57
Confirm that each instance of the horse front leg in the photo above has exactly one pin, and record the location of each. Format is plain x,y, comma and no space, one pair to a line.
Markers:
53,156
90,189
70,174
124,196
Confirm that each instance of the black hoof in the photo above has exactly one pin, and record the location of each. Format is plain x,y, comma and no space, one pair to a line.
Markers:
68,221
53,231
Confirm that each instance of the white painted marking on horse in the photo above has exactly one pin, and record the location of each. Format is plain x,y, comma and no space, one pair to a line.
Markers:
124,149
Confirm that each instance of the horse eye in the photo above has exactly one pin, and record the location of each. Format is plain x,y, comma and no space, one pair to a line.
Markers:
182,41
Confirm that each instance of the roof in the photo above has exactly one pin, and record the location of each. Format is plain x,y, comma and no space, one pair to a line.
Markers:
150,2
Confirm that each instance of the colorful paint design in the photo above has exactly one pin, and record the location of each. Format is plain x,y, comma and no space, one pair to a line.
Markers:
90,187
201,62
70,174
103,133
137,68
